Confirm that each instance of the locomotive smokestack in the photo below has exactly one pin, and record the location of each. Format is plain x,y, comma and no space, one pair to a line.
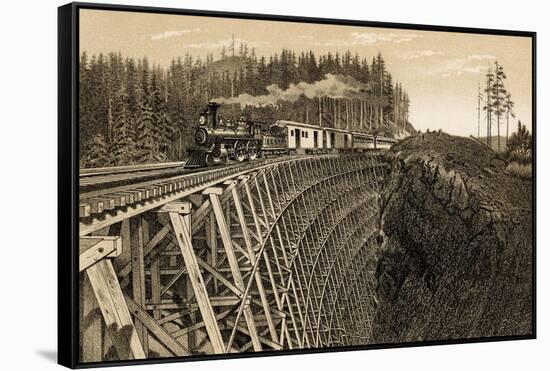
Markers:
213,111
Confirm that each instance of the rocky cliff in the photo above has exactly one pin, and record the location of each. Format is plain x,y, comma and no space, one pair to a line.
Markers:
456,259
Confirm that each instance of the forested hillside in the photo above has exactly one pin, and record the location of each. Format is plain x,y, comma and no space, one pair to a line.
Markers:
134,112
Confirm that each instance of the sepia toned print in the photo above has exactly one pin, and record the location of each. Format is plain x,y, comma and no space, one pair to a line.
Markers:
254,186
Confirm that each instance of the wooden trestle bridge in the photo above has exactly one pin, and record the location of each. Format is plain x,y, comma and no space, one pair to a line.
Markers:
264,255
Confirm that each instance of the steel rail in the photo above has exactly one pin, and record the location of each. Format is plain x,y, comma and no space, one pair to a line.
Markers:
87,172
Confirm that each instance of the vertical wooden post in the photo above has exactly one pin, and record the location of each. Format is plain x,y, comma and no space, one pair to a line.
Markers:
91,328
138,274
155,276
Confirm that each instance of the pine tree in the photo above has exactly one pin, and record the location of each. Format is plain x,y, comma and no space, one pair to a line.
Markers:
161,124
132,92
509,107
123,149
499,97
145,141
85,101
97,154
488,107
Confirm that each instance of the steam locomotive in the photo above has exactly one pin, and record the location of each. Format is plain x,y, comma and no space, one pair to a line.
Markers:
218,141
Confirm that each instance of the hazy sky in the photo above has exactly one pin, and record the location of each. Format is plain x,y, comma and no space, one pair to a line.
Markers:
440,70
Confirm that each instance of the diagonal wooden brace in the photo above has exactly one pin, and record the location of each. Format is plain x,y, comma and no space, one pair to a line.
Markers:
223,227
115,312
180,216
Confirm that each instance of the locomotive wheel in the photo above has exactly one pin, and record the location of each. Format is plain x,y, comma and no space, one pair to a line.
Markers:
252,149
240,151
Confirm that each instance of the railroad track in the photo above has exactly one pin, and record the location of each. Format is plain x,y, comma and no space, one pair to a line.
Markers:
111,202
109,189
99,177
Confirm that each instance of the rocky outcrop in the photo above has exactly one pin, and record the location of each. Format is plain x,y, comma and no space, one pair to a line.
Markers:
456,260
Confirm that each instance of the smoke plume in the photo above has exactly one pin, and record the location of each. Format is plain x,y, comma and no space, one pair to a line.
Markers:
333,86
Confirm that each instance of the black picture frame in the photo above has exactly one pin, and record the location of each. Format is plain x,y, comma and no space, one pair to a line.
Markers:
68,177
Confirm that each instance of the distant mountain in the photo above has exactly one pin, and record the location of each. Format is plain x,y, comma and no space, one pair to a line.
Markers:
228,64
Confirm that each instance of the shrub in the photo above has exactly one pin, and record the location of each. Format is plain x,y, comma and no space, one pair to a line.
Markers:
523,171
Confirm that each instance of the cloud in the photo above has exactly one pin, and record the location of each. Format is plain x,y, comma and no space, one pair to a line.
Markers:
472,64
169,34
371,38
227,43
422,54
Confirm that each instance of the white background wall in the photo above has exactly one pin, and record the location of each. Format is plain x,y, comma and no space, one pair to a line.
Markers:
28,183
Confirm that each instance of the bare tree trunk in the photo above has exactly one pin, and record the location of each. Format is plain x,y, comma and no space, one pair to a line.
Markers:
361,114
320,113
498,132
370,116
353,115
346,107
339,113
507,125
334,115
110,120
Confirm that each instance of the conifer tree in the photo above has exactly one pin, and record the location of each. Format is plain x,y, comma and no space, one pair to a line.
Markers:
509,107
97,154
499,97
145,141
123,149
488,107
